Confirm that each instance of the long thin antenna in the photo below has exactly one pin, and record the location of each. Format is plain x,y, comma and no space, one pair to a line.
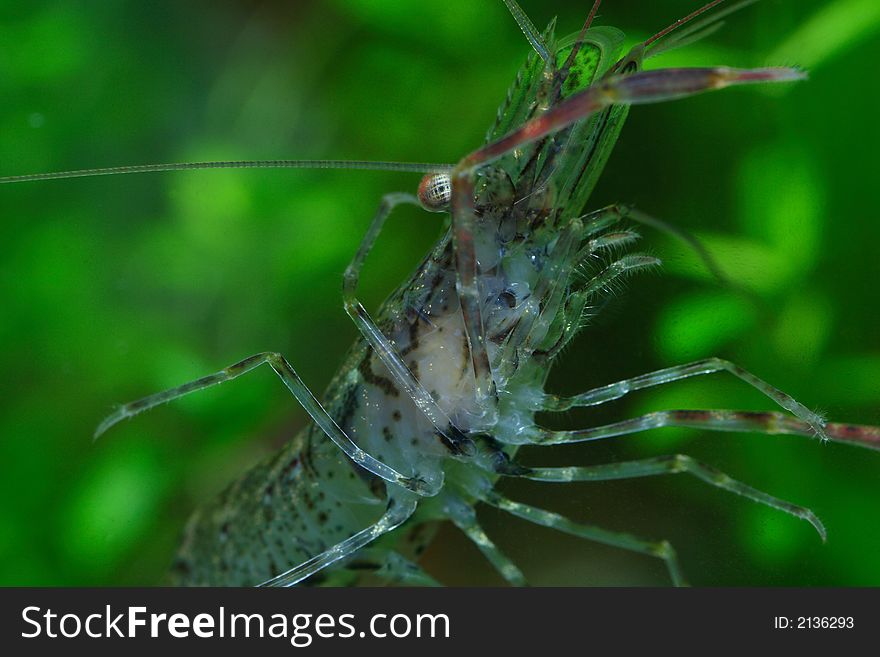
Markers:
697,30
592,15
413,167
682,21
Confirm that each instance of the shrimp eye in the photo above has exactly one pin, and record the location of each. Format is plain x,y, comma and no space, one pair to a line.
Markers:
435,191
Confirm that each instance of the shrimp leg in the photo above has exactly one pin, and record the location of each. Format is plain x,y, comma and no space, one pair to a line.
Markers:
659,549
463,516
299,390
670,374
766,422
660,465
398,512
365,324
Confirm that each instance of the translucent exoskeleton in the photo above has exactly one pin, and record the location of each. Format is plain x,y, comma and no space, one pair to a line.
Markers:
432,403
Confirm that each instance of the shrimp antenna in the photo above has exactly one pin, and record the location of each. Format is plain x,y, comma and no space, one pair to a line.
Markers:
695,30
681,21
414,167
592,15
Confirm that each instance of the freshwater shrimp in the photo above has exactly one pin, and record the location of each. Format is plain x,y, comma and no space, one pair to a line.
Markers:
432,403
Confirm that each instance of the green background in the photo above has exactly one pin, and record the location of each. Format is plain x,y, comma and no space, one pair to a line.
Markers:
113,288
